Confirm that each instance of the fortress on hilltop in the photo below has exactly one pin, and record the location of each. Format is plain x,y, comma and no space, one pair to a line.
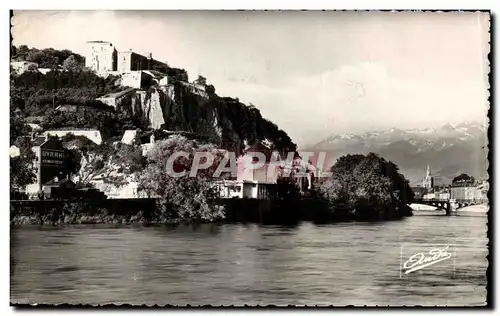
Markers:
102,57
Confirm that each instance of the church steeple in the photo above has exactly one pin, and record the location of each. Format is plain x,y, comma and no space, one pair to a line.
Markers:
428,180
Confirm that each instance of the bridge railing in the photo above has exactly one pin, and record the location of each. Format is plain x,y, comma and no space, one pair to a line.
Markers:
472,201
429,200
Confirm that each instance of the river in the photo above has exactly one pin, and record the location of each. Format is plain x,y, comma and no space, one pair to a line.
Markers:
307,264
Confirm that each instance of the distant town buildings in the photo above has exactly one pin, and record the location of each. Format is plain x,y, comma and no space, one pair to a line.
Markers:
470,191
437,195
463,188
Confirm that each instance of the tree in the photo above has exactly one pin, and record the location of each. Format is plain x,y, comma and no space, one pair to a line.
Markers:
21,53
21,167
463,179
161,68
71,64
49,57
17,125
201,80
210,90
185,197
22,171
366,183
13,51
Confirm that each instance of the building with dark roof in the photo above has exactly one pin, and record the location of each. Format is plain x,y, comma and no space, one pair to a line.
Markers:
50,162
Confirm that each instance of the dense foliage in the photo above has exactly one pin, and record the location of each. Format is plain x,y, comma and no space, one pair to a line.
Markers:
177,74
45,58
463,179
366,184
38,92
21,167
71,64
185,197
35,95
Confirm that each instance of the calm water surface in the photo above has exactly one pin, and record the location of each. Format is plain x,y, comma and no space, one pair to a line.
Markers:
339,264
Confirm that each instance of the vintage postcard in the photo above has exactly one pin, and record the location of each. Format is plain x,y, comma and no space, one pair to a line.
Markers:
232,158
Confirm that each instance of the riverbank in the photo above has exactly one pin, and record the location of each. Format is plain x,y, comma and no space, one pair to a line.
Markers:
144,211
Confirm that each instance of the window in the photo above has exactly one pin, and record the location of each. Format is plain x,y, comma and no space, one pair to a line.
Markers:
234,188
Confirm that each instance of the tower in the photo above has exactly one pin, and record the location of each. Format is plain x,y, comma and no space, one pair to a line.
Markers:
428,181
100,56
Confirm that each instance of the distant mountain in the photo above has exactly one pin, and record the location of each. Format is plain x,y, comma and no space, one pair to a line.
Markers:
449,150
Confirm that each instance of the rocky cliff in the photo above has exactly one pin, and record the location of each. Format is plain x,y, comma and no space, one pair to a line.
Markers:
180,106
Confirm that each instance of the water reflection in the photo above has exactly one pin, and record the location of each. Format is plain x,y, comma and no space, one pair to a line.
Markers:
345,263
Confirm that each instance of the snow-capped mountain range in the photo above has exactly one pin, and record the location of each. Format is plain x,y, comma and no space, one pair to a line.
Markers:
449,150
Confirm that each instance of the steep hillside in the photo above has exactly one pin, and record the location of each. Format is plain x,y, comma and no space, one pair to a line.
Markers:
224,121
449,150
175,106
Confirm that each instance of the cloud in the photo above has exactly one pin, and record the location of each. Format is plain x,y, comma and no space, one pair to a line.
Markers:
360,97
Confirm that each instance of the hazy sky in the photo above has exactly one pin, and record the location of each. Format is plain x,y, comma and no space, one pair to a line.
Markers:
312,73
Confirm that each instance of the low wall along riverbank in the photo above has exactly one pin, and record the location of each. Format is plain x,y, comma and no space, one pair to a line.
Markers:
144,211
58,212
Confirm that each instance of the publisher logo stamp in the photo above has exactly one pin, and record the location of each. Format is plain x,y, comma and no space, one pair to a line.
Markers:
426,258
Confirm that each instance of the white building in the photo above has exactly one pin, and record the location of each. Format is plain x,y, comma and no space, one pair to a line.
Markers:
92,134
14,151
261,182
244,189
129,136
23,66
268,173
100,56
478,191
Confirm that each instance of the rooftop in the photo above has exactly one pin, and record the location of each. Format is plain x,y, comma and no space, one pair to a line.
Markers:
118,94
66,129
99,42
34,119
38,141
56,182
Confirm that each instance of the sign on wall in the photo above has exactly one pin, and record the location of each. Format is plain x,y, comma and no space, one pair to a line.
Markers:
52,157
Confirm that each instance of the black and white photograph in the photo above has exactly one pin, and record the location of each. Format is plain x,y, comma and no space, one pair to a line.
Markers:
194,158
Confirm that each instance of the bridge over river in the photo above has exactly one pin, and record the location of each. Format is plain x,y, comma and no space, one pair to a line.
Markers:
450,205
